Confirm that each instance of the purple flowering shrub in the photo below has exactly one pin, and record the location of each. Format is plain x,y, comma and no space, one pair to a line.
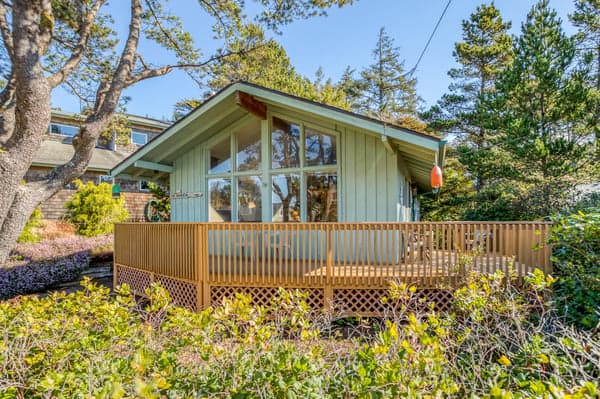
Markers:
34,267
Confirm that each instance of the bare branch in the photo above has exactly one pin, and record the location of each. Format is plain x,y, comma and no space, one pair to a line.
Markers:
79,49
153,73
6,33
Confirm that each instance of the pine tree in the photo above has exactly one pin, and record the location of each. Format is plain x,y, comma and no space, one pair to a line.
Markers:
387,92
539,109
485,50
587,19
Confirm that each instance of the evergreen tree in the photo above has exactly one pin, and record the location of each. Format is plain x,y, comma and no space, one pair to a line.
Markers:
453,200
587,19
387,92
269,66
485,50
539,109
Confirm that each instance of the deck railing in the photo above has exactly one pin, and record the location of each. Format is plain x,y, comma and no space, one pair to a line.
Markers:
325,256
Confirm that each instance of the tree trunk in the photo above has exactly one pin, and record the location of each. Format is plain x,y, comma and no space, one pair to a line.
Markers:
23,205
31,114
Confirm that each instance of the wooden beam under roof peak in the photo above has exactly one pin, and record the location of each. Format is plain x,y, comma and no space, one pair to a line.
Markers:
251,104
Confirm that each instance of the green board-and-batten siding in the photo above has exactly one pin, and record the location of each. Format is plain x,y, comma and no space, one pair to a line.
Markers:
371,183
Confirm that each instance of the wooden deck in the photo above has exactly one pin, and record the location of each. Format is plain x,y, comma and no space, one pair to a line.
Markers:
348,263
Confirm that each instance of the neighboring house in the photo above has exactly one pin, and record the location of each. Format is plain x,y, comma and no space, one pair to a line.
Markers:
56,149
254,154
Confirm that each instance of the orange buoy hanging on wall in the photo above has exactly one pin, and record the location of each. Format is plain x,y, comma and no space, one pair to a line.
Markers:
436,177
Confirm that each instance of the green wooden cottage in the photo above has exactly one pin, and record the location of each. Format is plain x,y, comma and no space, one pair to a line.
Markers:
285,192
252,154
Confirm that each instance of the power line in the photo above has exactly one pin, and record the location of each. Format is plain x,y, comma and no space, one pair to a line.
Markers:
430,38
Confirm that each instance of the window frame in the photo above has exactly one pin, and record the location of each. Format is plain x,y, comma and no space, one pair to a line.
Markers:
140,133
303,170
266,172
143,190
78,128
106,179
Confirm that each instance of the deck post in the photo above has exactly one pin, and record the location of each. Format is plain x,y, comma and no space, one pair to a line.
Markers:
328,291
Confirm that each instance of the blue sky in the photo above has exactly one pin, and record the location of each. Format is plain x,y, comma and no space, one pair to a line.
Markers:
345,37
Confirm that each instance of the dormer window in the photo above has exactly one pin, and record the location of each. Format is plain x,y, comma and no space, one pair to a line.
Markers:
138,138
63,130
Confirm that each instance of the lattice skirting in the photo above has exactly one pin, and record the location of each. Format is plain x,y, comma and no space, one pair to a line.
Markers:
370,302
262,296
183,293
137,280
345,301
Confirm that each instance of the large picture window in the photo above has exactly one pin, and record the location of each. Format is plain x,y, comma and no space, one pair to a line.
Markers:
285,174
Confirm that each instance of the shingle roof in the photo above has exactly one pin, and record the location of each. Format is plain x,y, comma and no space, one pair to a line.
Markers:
52,153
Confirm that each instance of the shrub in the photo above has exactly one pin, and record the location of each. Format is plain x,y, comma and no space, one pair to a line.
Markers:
30,232
92,344
93,210
575,240
159,208
35,267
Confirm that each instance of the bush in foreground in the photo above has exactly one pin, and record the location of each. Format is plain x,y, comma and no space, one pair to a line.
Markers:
90,344
575,240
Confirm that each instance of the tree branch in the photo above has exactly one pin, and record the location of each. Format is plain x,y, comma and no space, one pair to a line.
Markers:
84,31
152,73
162,28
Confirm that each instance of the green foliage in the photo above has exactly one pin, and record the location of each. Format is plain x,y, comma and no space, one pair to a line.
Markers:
451,201
575,241
267,64
160,204
92,344
30,232
93,210
384,89
540,112
484,52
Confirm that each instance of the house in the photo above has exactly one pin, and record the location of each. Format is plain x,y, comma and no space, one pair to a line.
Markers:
253,154
285,192
56,149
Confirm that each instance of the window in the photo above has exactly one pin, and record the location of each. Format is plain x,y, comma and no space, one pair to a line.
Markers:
144,185
220,200
249,206
286,198
63,130
138,138
105,179
295,179
321,198
248,153
220,157
320,148
285,145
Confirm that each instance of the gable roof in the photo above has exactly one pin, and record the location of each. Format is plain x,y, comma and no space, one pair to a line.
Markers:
417,149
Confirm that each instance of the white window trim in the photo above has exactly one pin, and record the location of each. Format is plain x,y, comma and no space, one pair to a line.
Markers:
143,190
62,124
107,179
141,133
